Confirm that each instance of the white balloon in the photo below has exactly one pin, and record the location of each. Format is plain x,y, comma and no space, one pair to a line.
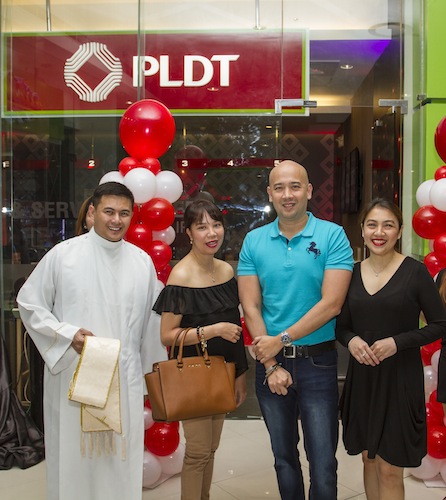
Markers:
172,464
113,176
168,186
429,468
437,195
422,194
148,419
167,235
151,470
430,381
141,183
435,358
443,470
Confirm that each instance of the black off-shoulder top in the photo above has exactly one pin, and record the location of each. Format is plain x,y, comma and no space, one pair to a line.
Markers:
206,306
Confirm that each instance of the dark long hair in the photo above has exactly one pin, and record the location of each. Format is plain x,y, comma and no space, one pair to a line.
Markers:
81,227
382,203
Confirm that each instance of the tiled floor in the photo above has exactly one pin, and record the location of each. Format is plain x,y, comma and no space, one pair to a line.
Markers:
243,471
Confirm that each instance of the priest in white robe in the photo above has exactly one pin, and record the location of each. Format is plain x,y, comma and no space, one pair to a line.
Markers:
94,284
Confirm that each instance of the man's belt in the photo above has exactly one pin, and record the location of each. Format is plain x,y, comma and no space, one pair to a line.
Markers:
305,351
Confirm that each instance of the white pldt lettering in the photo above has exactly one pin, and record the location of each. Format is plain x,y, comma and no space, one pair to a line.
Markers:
198,70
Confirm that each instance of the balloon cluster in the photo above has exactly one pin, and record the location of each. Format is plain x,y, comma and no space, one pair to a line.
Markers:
147,130
434,462
429,221
163,452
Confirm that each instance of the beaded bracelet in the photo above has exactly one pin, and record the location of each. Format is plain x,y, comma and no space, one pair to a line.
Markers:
270,370
203,342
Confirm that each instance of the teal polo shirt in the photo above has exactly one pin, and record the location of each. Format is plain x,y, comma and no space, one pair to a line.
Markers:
291,272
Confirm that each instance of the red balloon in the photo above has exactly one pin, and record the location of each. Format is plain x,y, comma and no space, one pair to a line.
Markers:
135,216
429,349
433,264
139,235
247,340
147,129
153,164
440,247
428,222
163,274
440,139
440,173
162,439
157,213
147,403
127,164
436,441
433,416
161,254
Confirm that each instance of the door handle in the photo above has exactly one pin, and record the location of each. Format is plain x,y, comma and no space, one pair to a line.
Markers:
292,103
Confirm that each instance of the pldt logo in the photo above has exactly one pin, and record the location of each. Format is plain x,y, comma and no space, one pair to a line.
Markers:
85,52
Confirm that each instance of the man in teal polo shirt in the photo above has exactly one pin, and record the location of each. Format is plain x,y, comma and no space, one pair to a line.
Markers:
293,277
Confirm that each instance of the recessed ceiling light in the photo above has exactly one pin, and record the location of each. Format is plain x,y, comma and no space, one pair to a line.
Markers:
346,66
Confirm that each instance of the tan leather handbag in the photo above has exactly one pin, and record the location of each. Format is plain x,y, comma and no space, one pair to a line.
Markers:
190,387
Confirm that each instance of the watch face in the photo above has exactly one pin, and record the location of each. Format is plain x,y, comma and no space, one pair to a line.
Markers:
286,339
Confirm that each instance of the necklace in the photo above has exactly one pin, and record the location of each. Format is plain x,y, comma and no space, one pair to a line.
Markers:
210,273
384,268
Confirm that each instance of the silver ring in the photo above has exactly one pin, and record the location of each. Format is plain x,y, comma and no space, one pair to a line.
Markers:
363,354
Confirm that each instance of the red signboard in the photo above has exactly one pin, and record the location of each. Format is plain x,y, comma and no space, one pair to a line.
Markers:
193,73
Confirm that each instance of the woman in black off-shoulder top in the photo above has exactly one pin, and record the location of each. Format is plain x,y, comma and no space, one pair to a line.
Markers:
201,292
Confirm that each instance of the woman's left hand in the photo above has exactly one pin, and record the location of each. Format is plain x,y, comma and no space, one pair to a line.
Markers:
384,348
240,389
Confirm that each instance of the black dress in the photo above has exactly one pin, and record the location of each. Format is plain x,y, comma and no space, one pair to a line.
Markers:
206,306
383,407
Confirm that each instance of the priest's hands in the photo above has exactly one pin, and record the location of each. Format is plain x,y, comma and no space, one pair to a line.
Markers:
79,339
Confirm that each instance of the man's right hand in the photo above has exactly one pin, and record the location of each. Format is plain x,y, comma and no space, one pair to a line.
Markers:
79,339
279,381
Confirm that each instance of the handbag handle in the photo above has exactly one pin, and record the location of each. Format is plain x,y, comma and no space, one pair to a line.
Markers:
181,335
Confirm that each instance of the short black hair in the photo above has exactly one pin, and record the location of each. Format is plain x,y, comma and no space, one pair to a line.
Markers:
196,210
112,189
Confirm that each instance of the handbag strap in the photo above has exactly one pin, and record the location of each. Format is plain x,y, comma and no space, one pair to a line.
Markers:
182,332
179,338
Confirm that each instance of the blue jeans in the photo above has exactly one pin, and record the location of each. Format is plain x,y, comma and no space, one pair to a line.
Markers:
314,397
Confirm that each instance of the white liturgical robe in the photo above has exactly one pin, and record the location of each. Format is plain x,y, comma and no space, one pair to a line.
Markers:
107,288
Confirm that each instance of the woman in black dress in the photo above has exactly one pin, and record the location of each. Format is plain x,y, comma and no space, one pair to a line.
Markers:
201,292
383,404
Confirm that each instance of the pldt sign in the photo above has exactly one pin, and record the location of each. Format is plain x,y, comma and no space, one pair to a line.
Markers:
237,72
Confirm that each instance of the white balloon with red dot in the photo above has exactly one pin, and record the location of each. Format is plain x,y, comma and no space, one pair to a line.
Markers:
141,183
167,235
168,186
113,176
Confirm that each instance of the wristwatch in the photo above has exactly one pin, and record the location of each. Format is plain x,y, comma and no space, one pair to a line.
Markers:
286,339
